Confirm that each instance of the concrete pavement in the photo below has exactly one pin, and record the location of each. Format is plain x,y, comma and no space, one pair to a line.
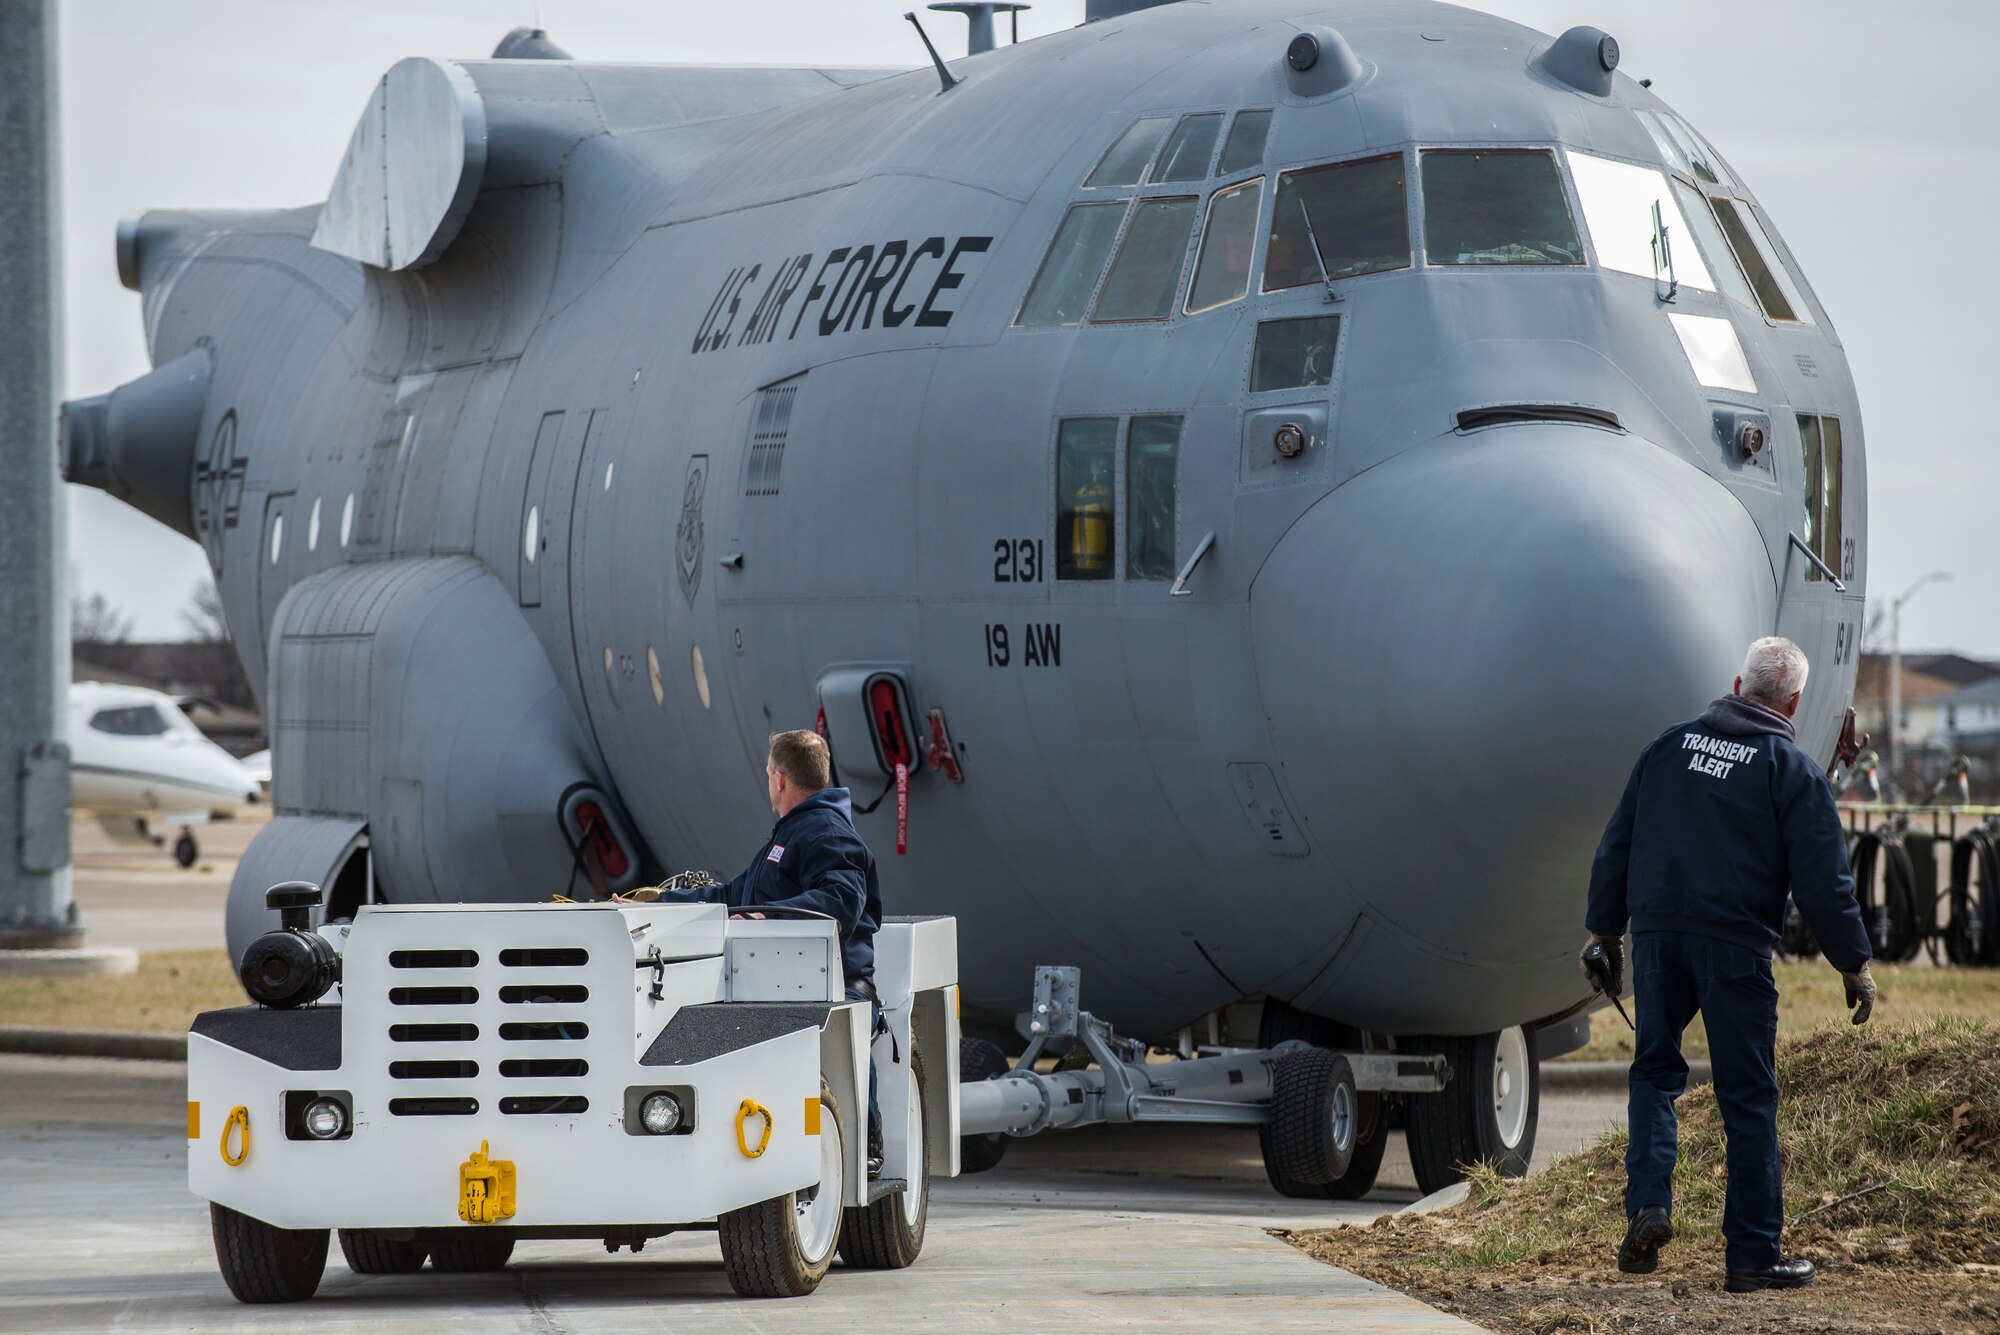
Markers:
1151,1228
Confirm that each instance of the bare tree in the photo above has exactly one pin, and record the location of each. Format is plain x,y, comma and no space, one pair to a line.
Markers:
95,620
203,615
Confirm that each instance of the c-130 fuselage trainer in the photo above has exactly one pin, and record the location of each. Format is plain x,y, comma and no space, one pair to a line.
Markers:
1259,473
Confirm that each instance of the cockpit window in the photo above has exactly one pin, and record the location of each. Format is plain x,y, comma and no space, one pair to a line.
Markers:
1775,292
1496,206
1228,238
1069,271
1294,354
1708,239
131,721
1671,151
1707,163
1358,213
1244,148
1619,202
1147,271
1126,163
1188,152
1086,512
1152,450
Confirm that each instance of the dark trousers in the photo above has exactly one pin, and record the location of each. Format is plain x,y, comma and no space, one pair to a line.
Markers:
867,994
1674,975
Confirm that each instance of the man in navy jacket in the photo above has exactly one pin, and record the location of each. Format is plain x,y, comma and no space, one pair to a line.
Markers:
814,860
1722,817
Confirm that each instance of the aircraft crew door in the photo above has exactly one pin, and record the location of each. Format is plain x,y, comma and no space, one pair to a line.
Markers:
1814,612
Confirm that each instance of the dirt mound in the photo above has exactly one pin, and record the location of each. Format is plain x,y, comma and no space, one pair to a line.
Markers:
1891,1143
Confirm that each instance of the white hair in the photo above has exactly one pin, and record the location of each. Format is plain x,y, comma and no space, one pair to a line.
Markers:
1774,670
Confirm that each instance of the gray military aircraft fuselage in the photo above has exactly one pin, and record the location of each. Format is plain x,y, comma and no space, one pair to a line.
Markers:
1296,468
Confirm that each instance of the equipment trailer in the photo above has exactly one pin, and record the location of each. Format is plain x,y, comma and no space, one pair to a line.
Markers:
616,1072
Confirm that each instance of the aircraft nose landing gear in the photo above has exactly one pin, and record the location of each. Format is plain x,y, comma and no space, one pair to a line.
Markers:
185,849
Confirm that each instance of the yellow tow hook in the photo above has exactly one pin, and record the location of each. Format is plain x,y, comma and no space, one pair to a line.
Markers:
485,1188
239,1122
751,1108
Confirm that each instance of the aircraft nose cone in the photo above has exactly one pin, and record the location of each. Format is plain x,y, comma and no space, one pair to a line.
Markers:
1462,651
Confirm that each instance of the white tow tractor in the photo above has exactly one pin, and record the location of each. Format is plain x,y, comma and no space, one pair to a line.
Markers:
439,1082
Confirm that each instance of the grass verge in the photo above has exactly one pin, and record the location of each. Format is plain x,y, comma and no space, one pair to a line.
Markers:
1809,995
169,990
1891,1142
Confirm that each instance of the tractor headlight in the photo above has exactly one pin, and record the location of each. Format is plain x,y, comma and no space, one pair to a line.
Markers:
324,1119
660,1113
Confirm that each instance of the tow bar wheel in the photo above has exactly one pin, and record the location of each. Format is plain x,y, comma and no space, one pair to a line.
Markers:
1315,1122
781,1248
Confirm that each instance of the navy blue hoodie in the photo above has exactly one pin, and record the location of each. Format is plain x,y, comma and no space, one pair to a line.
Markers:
1721,817
814,860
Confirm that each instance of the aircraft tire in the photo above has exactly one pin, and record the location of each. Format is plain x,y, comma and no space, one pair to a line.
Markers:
262,1263
763,1252
1310,1139
979,1059
1487,1114
186,850
462,1253
883,1236
369,1252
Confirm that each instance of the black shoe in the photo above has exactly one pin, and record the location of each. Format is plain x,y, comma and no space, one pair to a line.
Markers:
1788,1272
874,1167
875,1153
1652,1228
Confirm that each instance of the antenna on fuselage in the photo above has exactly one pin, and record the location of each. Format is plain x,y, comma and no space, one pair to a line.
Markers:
1319,259
944,75
979,16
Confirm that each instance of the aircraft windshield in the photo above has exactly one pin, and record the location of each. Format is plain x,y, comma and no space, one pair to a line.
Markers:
1228,239
1147,272
1496,206
1359,214
131,721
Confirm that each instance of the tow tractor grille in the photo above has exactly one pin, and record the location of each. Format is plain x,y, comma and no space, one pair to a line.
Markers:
549,984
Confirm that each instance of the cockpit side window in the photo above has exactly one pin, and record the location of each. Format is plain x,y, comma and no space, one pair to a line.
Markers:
1086,508
130,721
1152,453
1707,163
1189,151
1359,213
1146,272
1070,270
1496,206
1126,161
1244,148
1228,240
1819,448
1294,354
1775,293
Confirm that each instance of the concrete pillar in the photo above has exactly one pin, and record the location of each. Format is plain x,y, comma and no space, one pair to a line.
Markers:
36,911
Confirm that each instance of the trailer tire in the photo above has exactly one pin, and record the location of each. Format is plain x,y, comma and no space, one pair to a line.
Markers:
262,1263
469,1253
1315,1121
1487,1114
370,1252
885,1236
980,1059
762,1251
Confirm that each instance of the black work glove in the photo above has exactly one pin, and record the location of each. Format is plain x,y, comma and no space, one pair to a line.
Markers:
1860,993
1614,956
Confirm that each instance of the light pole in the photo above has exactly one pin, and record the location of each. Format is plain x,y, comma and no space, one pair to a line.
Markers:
1893,751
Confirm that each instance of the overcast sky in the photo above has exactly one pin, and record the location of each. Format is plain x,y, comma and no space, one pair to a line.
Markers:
1868,130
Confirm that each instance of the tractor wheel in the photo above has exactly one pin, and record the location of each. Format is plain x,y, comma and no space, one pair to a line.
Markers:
262,1263
889,1234
781,1248
371,1252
